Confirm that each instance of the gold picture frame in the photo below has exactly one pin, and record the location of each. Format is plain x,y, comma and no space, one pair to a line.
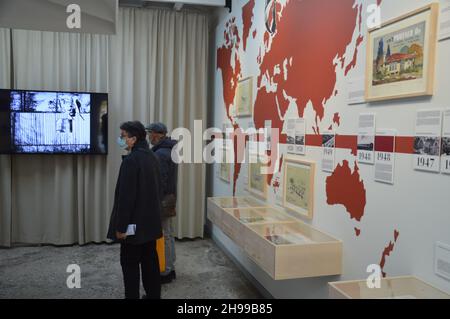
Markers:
244,98
298,186
257,182
401,56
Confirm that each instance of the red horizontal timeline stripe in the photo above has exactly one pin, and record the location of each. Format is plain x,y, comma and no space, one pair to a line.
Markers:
403,144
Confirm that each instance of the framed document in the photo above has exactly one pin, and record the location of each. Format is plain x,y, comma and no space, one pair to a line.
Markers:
298,188
244,98
225,172
225,165
257,182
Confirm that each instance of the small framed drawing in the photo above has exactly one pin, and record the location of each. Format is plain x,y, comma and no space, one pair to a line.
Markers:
257,182
224,167
298,188
401,56
244,98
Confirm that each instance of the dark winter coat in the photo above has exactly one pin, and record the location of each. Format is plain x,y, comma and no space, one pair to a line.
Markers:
169,169
138,196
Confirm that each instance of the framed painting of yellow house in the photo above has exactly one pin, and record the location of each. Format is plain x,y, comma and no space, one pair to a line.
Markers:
401,56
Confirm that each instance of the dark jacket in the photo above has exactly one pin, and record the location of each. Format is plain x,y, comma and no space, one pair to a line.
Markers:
138,196
169,169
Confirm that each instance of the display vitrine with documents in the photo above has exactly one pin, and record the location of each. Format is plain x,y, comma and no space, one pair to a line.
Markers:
280,244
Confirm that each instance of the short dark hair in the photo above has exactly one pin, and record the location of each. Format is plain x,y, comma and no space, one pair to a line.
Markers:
134,129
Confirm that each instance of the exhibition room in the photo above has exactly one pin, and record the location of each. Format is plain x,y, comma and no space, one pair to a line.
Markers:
224,150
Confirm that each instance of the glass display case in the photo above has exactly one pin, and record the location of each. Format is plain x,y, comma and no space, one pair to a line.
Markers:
293,249
236,202
391,288
259,215
234,220
217,205
283,246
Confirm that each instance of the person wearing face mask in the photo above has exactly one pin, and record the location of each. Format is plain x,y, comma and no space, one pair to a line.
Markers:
136,217
162,147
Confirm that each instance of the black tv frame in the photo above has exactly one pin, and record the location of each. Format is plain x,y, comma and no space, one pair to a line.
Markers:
63,153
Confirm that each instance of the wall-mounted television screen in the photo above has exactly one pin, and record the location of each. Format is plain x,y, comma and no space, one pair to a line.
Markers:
44,122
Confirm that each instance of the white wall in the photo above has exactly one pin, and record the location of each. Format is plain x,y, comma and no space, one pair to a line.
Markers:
417,205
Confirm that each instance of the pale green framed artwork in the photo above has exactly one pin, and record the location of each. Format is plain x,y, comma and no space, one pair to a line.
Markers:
298,187
244,98
257,182
225,168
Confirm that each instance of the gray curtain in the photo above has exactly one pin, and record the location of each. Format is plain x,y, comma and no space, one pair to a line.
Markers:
5,160
59,199
162,76
155,69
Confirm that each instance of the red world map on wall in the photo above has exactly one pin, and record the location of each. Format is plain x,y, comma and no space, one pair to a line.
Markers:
299,61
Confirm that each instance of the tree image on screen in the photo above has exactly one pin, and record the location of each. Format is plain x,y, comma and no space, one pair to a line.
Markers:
50,122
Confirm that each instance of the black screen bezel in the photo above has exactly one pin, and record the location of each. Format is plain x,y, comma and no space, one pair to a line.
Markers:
11,152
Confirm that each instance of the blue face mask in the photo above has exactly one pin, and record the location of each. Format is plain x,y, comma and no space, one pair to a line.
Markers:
121,142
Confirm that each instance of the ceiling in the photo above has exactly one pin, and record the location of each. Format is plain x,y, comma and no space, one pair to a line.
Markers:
146,3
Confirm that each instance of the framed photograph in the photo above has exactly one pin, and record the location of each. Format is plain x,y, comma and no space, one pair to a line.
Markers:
244,98
298,188
401,56
257,182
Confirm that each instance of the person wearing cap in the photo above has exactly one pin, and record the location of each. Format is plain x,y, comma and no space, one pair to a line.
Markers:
162,147
136,217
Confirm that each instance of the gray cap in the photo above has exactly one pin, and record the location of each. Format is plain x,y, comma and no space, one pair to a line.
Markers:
157,128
